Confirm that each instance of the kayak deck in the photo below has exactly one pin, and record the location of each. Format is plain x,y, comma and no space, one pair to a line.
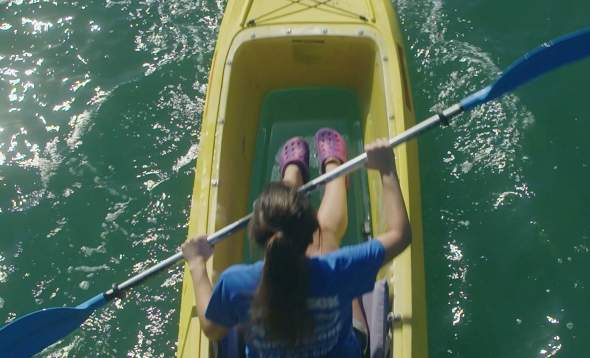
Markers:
301,112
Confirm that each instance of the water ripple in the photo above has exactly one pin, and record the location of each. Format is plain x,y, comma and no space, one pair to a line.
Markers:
479,177
101,104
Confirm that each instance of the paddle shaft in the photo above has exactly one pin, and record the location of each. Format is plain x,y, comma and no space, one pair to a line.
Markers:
344,169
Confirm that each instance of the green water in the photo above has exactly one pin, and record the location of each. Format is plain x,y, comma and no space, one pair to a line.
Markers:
100,103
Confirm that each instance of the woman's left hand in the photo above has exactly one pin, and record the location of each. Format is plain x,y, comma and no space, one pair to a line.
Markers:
197,249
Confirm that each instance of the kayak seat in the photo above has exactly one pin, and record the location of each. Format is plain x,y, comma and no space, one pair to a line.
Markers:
377,310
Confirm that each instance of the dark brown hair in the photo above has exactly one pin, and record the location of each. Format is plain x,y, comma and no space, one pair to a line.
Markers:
283,224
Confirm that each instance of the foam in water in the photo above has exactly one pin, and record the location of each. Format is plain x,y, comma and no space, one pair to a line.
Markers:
50,140
488,141
186,159
119,208
89,251
80,124
485,143
89,269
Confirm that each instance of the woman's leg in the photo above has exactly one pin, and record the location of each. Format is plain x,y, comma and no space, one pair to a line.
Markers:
332,215
292,176
333,211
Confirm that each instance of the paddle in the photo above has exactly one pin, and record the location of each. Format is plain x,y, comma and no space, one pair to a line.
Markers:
32,333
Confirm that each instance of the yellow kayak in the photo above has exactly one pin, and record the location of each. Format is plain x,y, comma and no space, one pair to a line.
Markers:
283,68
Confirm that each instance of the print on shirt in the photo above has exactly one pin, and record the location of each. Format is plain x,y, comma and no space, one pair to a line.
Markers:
327,328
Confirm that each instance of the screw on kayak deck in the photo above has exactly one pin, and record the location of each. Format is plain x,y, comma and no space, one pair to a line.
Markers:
366,232
394,317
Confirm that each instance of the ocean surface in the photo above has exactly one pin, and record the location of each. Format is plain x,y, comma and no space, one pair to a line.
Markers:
100,108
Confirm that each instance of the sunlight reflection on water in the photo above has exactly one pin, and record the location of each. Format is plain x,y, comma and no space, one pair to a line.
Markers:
100,107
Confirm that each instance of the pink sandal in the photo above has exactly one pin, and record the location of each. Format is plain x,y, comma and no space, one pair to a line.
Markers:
295,151
330,145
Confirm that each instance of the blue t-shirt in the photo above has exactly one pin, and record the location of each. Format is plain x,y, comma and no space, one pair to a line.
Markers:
334,281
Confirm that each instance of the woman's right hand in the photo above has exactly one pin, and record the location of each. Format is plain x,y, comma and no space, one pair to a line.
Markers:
398,232
197,249
380,156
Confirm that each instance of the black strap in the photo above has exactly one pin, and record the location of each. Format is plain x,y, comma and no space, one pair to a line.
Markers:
444,119
114,292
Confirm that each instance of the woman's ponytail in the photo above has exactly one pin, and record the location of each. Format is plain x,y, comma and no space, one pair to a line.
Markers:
283,223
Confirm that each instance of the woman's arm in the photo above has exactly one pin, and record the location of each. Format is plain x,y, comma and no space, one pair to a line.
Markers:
197,251
398,234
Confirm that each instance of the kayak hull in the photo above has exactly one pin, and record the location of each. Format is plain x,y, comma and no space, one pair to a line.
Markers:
271,50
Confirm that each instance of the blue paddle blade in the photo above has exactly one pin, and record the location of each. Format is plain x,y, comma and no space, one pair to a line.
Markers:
549,56
34,332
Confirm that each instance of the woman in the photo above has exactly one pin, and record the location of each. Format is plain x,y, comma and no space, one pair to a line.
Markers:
299,301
